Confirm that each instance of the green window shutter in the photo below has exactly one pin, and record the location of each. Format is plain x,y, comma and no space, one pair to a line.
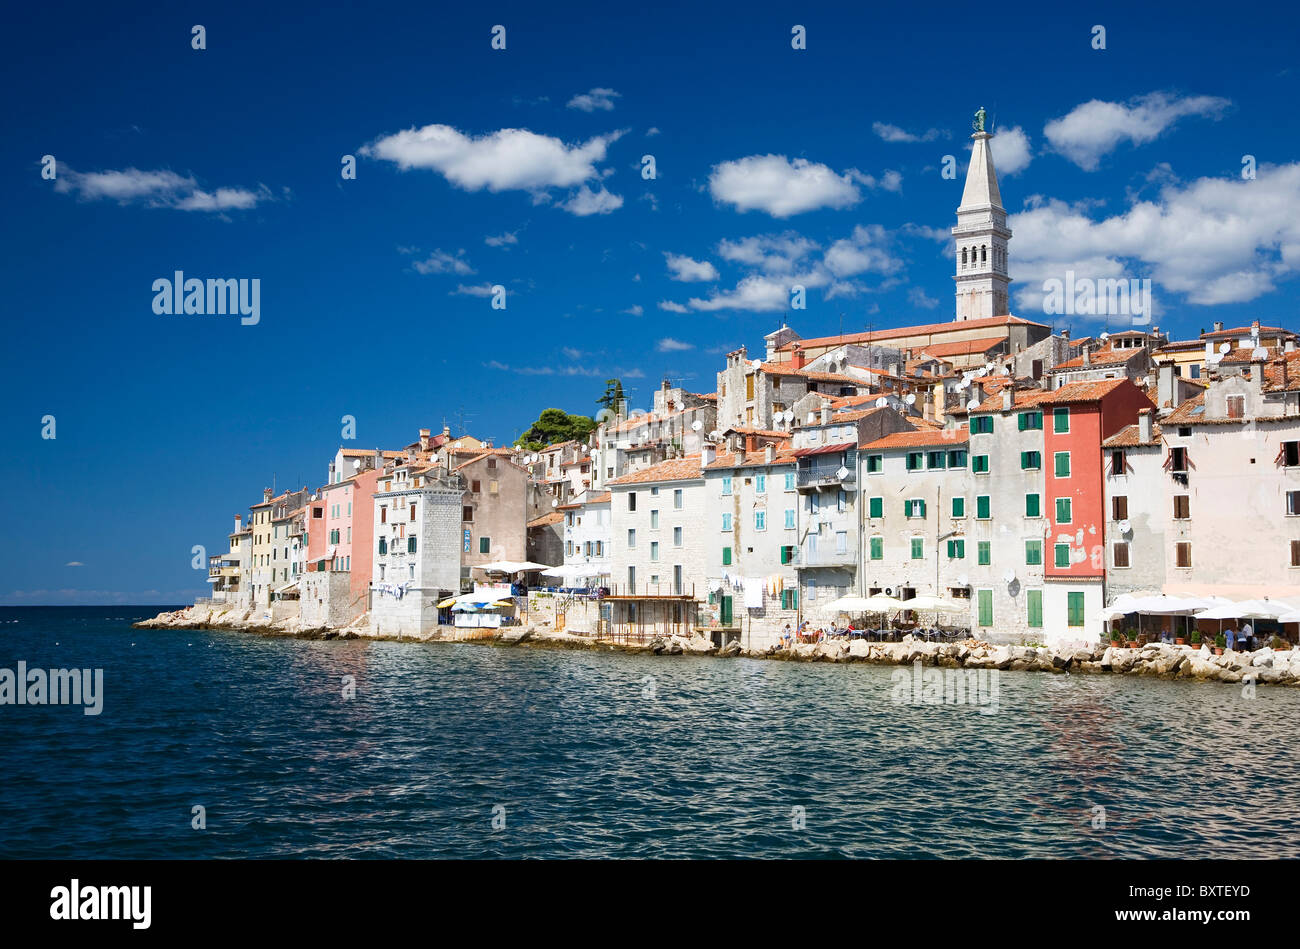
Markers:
1063,464
984,552
921,512
877,507
918,548
1064,514
986,607
973,429
1022,421
982,507
1060,420
1074,607
1033,505
877,548
952,547
1034,599
958,507
1062,555
1034,552
726,556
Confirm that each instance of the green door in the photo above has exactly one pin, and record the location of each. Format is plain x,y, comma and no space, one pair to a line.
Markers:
726,611
986,607
1074,609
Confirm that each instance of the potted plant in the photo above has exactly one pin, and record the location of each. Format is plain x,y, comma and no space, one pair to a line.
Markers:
1220,641
1132,639
1280,644
1117,637
1196,638
1180,641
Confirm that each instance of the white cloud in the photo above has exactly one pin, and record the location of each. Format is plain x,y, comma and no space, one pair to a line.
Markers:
892,133
863,252
585,202
1213,240
673,346
505,160
596,99
919,298
635,310
74,563
687,269
478,290
1095,128
442,262
770,253
1011,152
155,189
781,187
755,293
672,307
651,132
501,240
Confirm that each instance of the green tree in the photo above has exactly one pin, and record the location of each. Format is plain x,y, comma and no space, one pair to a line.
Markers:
556,425
613,398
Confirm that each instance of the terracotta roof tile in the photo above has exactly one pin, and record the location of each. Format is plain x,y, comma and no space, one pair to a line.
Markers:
921,330
1127,437
1083,391
947,436
1105,356
675,469
963,347
546,520
751,459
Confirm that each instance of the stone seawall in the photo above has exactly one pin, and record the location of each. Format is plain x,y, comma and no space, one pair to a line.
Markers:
1263,666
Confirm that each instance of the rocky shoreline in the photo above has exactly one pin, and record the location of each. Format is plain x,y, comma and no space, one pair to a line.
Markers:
1162,660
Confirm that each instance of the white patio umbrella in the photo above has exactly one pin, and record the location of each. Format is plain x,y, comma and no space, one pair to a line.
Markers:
850,604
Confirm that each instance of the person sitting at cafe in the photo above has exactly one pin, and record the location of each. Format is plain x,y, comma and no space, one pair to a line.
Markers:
1229,638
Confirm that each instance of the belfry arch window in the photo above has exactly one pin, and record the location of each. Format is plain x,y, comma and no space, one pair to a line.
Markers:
963,256
984,254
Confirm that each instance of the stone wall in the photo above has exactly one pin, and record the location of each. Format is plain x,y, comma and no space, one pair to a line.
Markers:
326,598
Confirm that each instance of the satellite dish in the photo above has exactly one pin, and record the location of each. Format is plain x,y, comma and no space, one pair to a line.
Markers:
1226,348
586,448
1125,527
963,581
756,363
697,425
963,385
555,503
715,434
881,402
1009,576
972,405
988,367
789,415
1006,370
1259,352
516,448
842,473
1104,336
911,399
1215,358
356,464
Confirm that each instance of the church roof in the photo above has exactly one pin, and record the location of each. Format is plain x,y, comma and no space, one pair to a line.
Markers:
981,180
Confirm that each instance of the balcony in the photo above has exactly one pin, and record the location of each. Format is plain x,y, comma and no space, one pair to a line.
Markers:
824,557
818,478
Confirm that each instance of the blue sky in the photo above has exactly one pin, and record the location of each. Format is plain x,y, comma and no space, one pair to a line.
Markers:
522,168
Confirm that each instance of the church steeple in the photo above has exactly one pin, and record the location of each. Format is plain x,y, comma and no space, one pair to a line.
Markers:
981,236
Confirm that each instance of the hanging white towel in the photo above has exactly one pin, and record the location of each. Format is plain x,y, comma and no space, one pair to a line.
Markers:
753,593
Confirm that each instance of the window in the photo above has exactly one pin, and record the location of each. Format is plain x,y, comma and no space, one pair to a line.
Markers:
979,464
918,548
654,492
876,507
1062,460
654,520
1118,463
1034,553
875,464
811,587
1061,421
914,460
411,518
982,508
878,548
1119,553
1034,602
726,520
466,514
789,518
981,425
841,501
474,487
1031,421
1062,555
760,484
1119,507
631,538
957,458
787,554
726,486
1031,460
383,546
1182,506
984,553
1289,454
677,499
958,507
1033,505
789,480
914,508
935,459
789,599
654,552
1293,503
1183,555
1236,406
485,545
1295,553
814,503
631,500
677,536
760,521
1074,609
1064,511
985,600
631,578
410,545
1177,460
956,549
841,542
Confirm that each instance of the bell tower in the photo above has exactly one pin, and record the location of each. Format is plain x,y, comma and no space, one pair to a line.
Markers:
981,236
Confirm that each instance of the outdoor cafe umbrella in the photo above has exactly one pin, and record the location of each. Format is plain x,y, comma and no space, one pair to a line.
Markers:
936,604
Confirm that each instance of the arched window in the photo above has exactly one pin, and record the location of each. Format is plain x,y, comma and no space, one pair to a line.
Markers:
984,254
963,256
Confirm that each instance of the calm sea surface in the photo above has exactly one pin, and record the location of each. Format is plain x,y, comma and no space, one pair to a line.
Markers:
582,755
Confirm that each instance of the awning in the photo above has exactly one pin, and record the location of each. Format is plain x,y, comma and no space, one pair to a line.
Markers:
215,579
512,566
287,586
824,449
474,605
447,602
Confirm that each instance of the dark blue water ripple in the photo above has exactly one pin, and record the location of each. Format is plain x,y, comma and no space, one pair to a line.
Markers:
601,754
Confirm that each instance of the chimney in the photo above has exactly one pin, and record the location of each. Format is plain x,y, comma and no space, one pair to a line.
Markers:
1218,326
1008,396
239,521
266,495
424,439
826,414
1289,346
769,453
446,431
797,357
1144,425
1065,335
1087,356
1167,385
